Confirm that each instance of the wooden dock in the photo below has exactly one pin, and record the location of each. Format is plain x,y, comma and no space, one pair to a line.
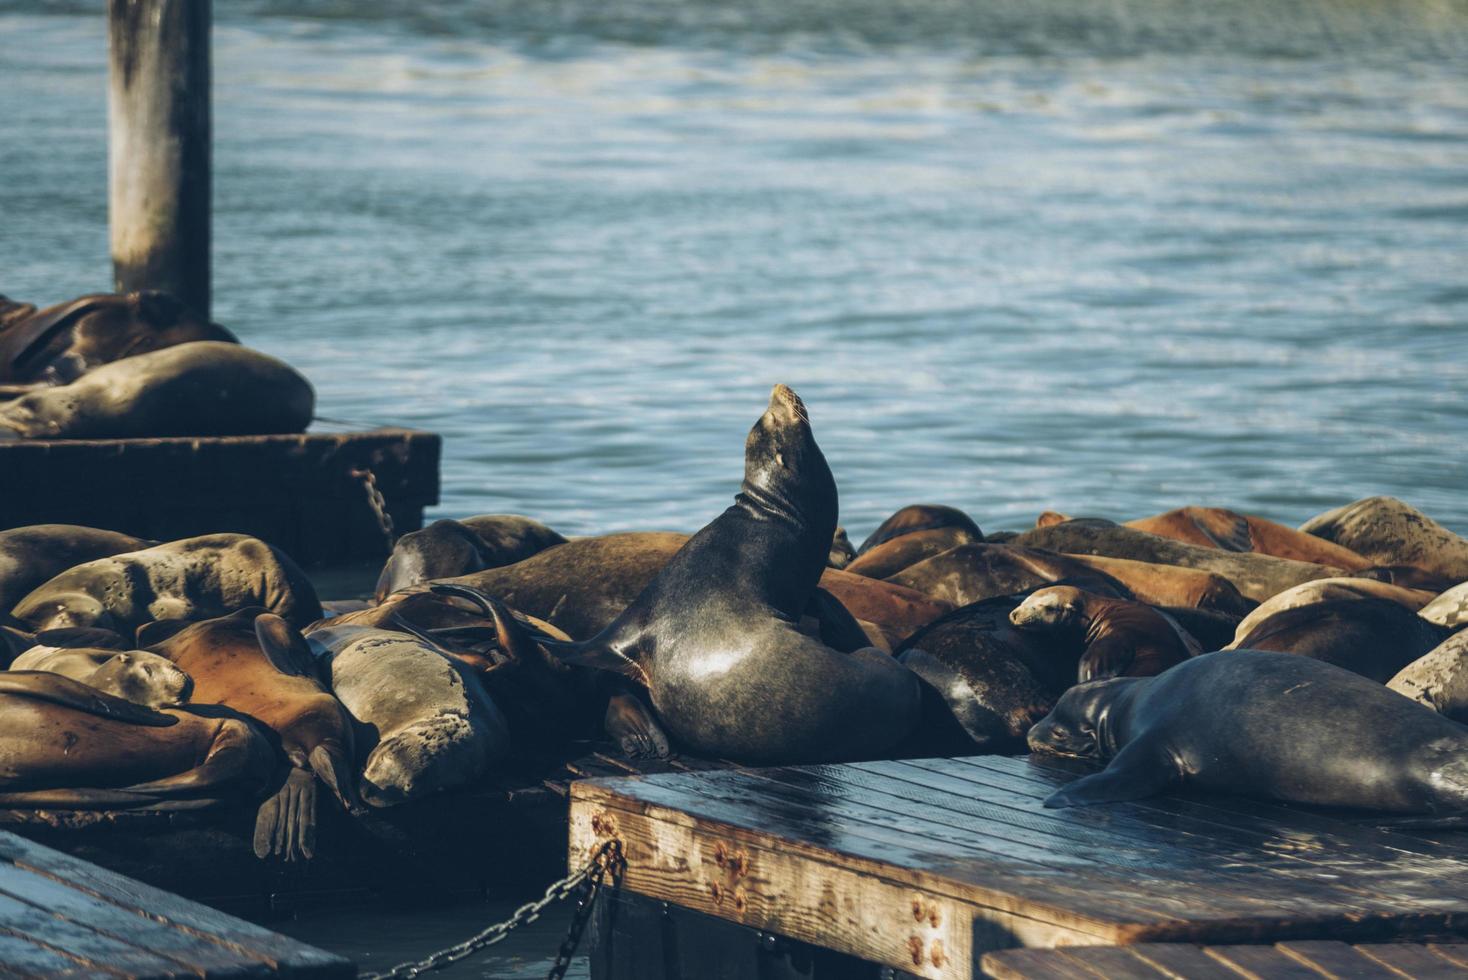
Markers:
61,917
924,866
302,493
1319,960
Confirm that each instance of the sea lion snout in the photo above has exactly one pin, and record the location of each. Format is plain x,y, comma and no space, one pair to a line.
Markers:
786,406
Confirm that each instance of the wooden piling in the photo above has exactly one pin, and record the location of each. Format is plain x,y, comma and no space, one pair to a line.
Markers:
159,147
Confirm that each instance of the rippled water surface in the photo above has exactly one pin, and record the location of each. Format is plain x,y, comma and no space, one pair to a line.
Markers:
1105,257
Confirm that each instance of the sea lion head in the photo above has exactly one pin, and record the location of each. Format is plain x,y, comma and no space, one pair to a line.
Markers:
143,678
1058,607
430,755
842,551
443,549
785,471
1075,727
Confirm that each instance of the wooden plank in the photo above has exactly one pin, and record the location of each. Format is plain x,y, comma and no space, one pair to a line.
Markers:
1112,962
1037,964
1185,962
1337,960
94,949
19,957
1262,963
1417,962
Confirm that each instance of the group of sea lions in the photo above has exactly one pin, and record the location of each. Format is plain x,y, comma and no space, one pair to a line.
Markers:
187,673
132,365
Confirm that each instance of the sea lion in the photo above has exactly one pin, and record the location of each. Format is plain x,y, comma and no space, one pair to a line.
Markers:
434,725
1214,527
29,556
195,578
1261,724
893,610
906,550
1448,609
842,550
1439,678
447,548
1369,636
973,572
1212,629
66,745
1328,590
1116,637
1172,585
1390,532
203,388
920,517
133,675
59,344
714,639
253,662
1256,576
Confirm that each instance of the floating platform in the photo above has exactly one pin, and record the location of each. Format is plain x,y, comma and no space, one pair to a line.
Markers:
924,866
1282,961
63,917
302,493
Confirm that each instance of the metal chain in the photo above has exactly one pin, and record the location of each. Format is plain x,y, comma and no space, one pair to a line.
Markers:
378,503
588,879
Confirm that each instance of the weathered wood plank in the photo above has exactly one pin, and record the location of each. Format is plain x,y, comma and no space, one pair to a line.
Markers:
1417,962
1112,962
1337,960
1037,964
1184,962
19,957
1261,962
36,924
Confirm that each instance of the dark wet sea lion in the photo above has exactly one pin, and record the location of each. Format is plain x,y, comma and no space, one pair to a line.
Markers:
204,388
1115,637
1256,576
1448,609
1212,629
1390,532
195,578
1214,527
133,675
920,517
1328,590
973,572
842,550
1439,678
1372,637
59,344
714,636
903,552
66,745
30,556
1172,585
255,663
448,548
1262,724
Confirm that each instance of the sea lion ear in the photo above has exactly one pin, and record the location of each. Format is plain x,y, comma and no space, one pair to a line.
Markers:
154,633
286,648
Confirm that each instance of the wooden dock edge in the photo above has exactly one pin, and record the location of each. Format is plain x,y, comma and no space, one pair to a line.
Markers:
887,915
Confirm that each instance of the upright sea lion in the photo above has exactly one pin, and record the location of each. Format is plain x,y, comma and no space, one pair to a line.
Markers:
64,744
59,344
1256,576
1372,637
1172,585
714,636
920,517
1439,678
1261,724
1328,590
1116,637
447,548
32,555
1214,527
204,388
904,551
973,572
253,662
195,578
1448,609
133,675
1390,532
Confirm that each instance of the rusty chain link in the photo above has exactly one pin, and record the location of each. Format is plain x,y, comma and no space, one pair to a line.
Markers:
378,503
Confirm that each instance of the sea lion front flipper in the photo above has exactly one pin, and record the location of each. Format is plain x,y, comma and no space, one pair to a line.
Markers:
1134,774
633,727
1108,657
46,686
839,628
285,825
333,764
1227,530
284,647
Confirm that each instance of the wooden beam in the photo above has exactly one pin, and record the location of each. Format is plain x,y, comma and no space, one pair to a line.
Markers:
159,147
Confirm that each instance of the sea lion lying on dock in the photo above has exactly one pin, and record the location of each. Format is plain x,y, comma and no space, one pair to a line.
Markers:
1328,590
1214,527
973,572
204,388
1115,637
133,675
1260,724
1439,678
1370,636
66,745
903,552
30,556
1390,532
61,343
921,517
448,548
191,579
1172,585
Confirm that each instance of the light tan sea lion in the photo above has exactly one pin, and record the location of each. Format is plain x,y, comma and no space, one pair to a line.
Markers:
1390,532
133,675
30,556
1439,678
1448,609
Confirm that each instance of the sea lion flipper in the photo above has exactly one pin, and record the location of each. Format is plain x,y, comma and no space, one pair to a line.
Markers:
284,647
633,727
839,628
46,686
1110,656
333,765
285,824
1134,774
1226,529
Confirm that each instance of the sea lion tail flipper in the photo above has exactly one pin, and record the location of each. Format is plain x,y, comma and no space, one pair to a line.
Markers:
285,824
332,763
1134,774
46,686
632,726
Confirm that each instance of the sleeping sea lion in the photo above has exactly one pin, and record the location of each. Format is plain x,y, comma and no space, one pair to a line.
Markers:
973,572
1439,678
1261,724
713,637
195,578
1172,585
904,551
447,548
1328,590
30,556
203,388
1448,609
920,517
133,675
1116,637
1372,637
66,745
1214,527
1390,532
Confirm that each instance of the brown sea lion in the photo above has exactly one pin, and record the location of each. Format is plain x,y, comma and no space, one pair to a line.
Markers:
1329,590
447,548
30,556
203,388
920,517
1117,637
896,612
1172,585
195,578
59,344
1214,527
66,745
1390,532
133,675
1256,576
253,662
904,551
973,572
1369,636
